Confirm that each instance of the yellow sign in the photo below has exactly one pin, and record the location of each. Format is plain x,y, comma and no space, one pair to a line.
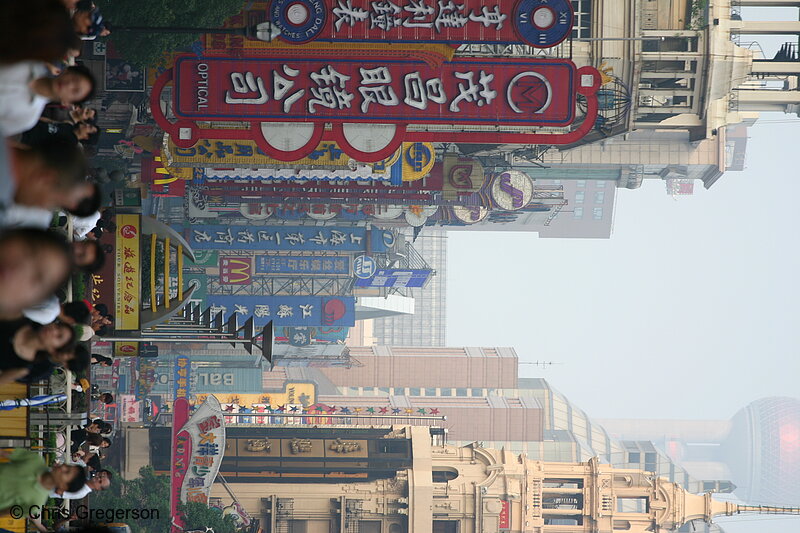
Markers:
246,154
126,349
418,160
293,394
127,272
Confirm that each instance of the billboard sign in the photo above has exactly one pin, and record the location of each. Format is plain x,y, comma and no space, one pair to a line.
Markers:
128,273
302,265
364,267
512,190
235,270
370,101
328,311
396,279
538,23
181,377
291,238
206,430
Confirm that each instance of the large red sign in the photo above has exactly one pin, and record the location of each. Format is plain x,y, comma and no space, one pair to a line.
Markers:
505,514
539,23
372,102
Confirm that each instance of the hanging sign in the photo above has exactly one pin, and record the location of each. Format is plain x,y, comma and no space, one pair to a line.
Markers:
370,102
538,23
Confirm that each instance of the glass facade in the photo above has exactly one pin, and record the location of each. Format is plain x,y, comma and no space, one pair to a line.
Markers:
427,326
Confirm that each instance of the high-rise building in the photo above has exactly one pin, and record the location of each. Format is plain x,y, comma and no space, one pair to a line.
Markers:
428,325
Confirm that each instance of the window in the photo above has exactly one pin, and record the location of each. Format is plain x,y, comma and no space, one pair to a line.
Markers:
583,18
633,505
579,197
430,392
442,475
581,183
634,457
414,391
599,197
447,392
445,526
577,213
461,392
601,184
598,213
477,393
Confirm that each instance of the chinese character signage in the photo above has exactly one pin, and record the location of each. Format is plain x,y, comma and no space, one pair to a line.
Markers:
291,238
505,514
181,377
538,23
396,279
128,276
206,429
370,101
179,460
302,265
287,310
235,270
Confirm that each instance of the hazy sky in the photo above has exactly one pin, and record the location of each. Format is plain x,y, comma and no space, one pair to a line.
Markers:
690,310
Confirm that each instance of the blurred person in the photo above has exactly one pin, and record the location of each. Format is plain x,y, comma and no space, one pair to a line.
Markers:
33,264
28,348
27,482
89,23
83,132
75,359
101,481
88,256
50,309
40,30
82,226
102,360
25,89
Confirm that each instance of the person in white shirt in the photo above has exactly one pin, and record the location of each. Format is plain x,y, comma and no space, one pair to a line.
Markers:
81,226
25,89
101,481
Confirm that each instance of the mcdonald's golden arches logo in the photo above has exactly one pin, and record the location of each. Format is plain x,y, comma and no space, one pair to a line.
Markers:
235,270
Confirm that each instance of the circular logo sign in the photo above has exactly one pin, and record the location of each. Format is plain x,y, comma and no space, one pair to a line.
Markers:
127,348
512,190
387,212
299,21
128,231
333,310
418,160
388,239
364,267
543,23
470,214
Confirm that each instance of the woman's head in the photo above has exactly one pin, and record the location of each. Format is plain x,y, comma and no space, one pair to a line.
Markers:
57,337
33,264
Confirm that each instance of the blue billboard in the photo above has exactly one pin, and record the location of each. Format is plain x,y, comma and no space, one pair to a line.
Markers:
291,238
330,311
396,278
298,264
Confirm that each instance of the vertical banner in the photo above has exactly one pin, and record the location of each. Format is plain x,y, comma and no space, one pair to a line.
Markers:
181,377
206,428
127,273
181,450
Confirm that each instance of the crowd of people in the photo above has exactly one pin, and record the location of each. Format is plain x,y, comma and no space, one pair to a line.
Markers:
51,216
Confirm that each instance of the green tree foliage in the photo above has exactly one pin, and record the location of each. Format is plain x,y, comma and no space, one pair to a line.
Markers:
147,49
150,491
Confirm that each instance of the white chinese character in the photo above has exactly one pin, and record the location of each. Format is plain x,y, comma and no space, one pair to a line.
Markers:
330,91
355,239
246,237
281,87
418,93
472,92
215,309
261,310
307,309
244,84
201,236
449,16
384,15
267,236
377,88
300,338
487,18
420,11
224,237
295,238
338,238
240,309
348,14
319,239
285,311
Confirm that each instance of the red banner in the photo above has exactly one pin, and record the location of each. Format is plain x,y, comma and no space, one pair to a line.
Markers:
539,23
181,454
505,515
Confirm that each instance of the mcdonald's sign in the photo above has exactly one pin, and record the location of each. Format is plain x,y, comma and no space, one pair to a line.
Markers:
235,270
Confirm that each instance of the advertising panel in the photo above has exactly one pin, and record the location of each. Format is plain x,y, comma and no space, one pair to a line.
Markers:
128,275
539,23
206,429
235,270
302,265
512,190
395,278
180,377
289,238
330,311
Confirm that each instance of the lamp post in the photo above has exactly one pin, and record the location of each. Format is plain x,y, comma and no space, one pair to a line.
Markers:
262,31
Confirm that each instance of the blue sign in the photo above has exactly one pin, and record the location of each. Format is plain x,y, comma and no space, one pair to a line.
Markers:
181,375
543,23
303,265
216,373
299,21
288,238
364,267
329,311
396,278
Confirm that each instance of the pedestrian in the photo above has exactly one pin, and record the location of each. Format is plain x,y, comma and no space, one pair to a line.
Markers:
88,256
101,481
25,89
25,344
27,481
